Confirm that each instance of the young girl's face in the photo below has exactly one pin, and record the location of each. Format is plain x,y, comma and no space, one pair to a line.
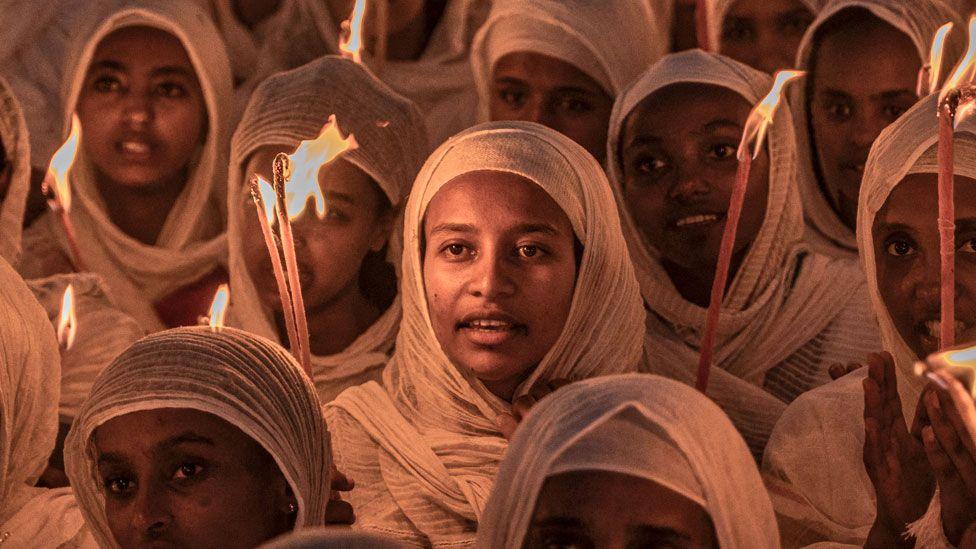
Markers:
141,108
330,250
500,271
765,34
906,251
856,89
537,88
678,157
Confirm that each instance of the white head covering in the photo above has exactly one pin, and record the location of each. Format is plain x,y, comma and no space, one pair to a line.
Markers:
13,134
437,424
612,41
777,303
190,245
919,20
332,538
642,426
827,424
29,422
245,380
293,106
717,10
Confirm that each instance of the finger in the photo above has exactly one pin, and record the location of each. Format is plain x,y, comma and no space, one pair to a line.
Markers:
340,482
890,379
969,538
872,448
836,371
949,441
940,462
872,399
962,412
522,405
507,424
339,512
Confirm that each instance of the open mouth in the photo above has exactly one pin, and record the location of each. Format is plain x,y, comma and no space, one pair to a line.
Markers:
697,220
489,332
134,148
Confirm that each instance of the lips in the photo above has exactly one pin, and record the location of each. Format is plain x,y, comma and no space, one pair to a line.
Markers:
490,329
694,220
138,148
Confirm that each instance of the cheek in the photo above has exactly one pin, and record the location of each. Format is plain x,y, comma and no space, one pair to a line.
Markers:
98,118
646,206
550,291
182,125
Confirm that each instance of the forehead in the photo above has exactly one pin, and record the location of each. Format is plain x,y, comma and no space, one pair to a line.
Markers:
852,58
542,70
919,193
684,107
144,429
142,46
765,9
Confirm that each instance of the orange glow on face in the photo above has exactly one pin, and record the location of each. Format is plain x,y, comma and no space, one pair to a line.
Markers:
351,41
68,321
762,114
62,161
218,309
304,166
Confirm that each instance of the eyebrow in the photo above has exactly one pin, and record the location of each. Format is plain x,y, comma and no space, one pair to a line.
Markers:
522,228
893,227
168,70
340,197
893,94
646,533
722,123
559,522
187,437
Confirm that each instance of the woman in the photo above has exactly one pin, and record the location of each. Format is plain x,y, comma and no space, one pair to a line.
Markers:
628,458
673,143
899,251
150,85
347,259
515,275
29,516
852,91
14,175
562,64
200,438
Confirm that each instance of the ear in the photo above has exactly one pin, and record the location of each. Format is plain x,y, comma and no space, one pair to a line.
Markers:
380,234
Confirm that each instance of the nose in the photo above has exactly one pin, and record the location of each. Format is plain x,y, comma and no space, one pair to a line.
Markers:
538,111
926,278
865,129
688,184
138,109
492,276
152,516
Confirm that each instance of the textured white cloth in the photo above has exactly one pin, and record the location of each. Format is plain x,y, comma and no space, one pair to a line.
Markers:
717,10
639,425
16,143
29,517
392,144
243,379
781,325
612,41
191,244
816,448
424,447
919,20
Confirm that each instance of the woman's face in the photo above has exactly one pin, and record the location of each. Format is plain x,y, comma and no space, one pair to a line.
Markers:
499,270
906,251
331,250
184,478
605,510
537,88
765,34
856,89
678,157
141,108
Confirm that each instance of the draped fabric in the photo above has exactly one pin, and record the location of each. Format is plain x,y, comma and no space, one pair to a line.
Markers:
30,517
815,450
332,538
191,244
424,446
639,425
919,21
16,144
294,106
781,327
613,42
243,379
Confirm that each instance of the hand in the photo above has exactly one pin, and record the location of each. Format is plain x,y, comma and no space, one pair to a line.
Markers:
509,422
839,370
895,459
969,538
338,511
950,446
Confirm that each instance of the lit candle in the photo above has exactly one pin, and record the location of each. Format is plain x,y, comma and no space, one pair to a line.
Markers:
218,308
58,189
67,320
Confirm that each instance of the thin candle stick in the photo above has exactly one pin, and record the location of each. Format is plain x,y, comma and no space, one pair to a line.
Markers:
947,225
701,24
64,219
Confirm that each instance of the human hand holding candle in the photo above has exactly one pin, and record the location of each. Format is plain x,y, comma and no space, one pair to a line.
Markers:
58,189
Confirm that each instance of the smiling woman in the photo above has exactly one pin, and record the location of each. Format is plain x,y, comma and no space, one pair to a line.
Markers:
500,297
151,91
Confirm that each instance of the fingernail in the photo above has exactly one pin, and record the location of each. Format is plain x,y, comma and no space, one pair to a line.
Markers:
931,376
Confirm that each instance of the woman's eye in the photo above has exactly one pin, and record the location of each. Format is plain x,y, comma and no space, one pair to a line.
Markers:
738,32
795,25
118,485
968,246
649,164
892,112
171,90
187,471
576,106
106,84
839,111
335,214
512,98
528,251
900,248
455,251
722,151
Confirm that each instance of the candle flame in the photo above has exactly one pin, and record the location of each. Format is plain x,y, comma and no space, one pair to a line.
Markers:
936,54
62,161
966,68
68,321
762,114
351,41
218,309
304,165
964,111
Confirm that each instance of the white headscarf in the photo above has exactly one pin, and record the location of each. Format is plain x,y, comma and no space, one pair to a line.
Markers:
777,303
717,10
612,41
827,423
293,106
29,517
918,20
243,379
13,134
432,426
642,426
190,245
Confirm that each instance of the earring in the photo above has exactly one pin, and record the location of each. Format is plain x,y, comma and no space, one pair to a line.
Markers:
292,508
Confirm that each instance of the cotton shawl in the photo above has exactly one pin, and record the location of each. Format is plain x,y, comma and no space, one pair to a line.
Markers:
613,41
816,448
243,379
13,134
424,447
717,10
781,325
30,517
644,426
392,144
919,20
191,243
